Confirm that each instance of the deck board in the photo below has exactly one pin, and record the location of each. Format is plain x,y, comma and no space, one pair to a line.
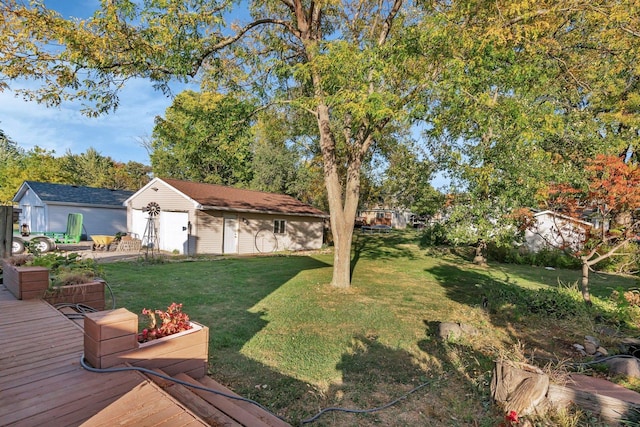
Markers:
43,383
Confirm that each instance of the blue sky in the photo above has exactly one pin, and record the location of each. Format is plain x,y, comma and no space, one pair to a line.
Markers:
117,135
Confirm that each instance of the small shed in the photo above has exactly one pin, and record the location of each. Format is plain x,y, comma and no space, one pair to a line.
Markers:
195,218
552,230
46,207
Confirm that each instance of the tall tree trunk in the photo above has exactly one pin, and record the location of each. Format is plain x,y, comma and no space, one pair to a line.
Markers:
342,205
584,284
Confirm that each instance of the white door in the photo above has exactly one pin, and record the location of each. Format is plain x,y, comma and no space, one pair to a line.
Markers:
230,238
174,234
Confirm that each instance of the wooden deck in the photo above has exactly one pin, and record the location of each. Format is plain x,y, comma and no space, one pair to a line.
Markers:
43,383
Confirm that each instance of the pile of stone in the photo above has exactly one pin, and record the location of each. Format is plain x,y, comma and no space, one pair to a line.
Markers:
624,363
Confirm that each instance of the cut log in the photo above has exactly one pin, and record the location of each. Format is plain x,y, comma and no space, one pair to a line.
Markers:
598,396
519,387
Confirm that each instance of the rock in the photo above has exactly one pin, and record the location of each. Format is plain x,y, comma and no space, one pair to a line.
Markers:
628,366
592,340
450,330
468,329
580,349
590,348
603,351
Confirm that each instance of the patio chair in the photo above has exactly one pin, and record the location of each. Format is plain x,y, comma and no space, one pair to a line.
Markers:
73,233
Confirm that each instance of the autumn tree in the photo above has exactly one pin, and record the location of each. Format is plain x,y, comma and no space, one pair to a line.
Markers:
36,164
610,194
553,73
10,156
286,158
533,90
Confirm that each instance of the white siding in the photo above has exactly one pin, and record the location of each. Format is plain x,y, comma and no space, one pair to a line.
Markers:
301,233
552,231
52,217
34,212
95,221
166,197
207,227
208,232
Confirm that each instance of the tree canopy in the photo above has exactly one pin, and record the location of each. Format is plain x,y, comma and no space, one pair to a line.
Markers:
204,137
510,91
89,169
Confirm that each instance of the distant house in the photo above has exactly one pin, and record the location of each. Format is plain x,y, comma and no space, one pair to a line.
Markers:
552,230
393,217
46,206
196,218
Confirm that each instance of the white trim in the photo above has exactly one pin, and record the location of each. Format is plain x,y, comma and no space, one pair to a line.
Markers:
568,218
166,184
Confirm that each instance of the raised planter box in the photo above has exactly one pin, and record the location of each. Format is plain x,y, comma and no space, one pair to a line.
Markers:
111,339
90,294
25,282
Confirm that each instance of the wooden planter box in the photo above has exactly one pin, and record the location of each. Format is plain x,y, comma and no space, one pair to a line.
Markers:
90,294
111,339
25,282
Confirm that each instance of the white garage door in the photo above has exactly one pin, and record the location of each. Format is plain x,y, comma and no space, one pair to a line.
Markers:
173,233
138,223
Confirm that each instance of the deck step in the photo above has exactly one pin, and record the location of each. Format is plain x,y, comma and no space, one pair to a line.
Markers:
215,409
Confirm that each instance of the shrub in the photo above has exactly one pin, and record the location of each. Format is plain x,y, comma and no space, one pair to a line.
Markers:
434,235
544,257
68,269
627,260
559,303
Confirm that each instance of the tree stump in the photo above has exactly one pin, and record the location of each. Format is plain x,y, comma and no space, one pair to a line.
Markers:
519,387
481,248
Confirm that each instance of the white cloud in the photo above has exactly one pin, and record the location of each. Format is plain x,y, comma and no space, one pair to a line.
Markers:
65,128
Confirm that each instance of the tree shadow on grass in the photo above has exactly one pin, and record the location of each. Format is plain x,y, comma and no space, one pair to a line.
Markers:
500,299
373,374
544,324
385,246
411,393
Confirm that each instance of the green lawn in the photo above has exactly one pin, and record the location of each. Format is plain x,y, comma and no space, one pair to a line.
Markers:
282,336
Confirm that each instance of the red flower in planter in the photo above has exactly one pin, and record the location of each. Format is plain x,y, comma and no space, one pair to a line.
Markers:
173,321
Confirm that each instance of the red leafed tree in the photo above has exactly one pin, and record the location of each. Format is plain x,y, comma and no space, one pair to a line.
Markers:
611,195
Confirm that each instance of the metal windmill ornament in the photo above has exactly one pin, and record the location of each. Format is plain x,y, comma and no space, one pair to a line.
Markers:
150,236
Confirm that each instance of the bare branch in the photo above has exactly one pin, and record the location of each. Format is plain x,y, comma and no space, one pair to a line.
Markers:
388,22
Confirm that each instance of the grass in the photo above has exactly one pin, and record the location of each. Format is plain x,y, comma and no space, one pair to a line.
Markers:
281,335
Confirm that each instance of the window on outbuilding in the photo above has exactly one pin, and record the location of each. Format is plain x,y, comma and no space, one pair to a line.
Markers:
279,226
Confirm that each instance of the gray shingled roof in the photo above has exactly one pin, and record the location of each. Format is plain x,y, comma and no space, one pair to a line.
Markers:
77,194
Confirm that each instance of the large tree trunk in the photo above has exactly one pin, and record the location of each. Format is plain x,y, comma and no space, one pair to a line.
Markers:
342,204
